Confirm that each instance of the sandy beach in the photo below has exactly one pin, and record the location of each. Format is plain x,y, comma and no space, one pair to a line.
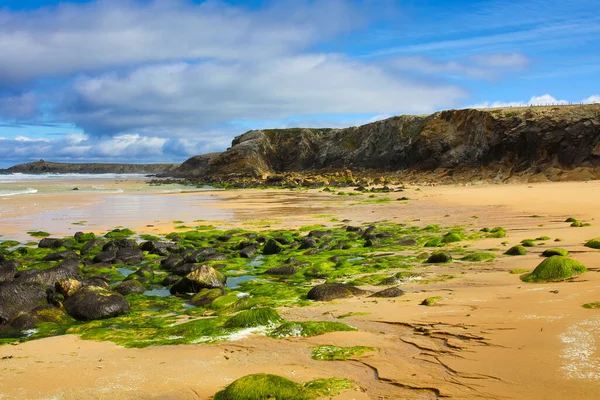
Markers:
490,336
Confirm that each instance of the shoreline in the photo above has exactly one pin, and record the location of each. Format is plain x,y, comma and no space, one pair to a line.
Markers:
486,313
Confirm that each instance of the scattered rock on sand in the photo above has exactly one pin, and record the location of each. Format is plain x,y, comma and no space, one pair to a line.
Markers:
204,277
332,291
93,302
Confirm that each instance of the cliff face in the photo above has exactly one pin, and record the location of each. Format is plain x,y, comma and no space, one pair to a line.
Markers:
517,139
42,166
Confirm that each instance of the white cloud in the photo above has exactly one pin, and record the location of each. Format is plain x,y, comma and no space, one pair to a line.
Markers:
184,95
545,99
71,38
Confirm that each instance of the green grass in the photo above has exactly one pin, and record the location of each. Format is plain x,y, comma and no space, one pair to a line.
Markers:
555,268
335,353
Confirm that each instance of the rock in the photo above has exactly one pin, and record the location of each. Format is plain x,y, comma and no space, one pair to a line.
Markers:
8,270
308,243
92,303
50,243
285,270
127,287
248,252
160,248
143,274
92,245
198,255
115,245
332,291
171,262
49,277
185,269
389,292
130,255
67,286
206,296
105,256
408,242
555,268
272,247
204,277
61,255
439,257
16,298
353,229
517,250
170,280
320,234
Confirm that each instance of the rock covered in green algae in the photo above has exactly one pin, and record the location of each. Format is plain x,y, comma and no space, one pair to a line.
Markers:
261,387
252,318
555,252
206,296
389,292
555,268
593,243
332,291
517,250
439,257
205,277
93,302
272,247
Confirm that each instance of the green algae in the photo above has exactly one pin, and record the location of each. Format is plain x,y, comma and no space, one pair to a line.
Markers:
555,268
267,386
555,252
308,328
591,306
518,271
451,237
431,301
478,256
38,234
335,353
119,234
593,243
253,317
517,250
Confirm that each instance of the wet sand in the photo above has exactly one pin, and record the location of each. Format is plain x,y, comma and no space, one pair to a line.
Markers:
491,336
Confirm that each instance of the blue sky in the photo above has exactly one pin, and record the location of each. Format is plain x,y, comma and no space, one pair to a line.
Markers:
161,80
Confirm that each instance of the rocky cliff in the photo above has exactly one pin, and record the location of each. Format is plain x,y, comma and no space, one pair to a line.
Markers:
531,140
42,166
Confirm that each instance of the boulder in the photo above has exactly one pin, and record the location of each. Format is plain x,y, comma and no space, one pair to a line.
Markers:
272,247
332,291
50,243
308,243
105,256
408,242
119,244
48,277
185,269
91,245
129,255
67,286
284,270
160,248
92,303
204,277
389,292
18,298
128,287
8,270
61,255
248,251
198,255
439,257
171,262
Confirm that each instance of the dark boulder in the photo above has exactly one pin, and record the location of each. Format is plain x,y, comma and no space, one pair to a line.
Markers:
204,277
92,245
332,291
16,298
389,292
308,243
143,274
284,270
439,257
48,277
320,234
105,256
171,262
92,302
198,255
353,229
160,248
61,255
170,280
96,281
185,269
119,244
248,251
128,287
272,247
129,255
50,243
8,270
216,257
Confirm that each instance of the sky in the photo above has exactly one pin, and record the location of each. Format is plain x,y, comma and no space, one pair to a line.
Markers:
161,80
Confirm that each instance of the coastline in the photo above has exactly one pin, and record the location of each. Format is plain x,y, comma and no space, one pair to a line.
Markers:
495,336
